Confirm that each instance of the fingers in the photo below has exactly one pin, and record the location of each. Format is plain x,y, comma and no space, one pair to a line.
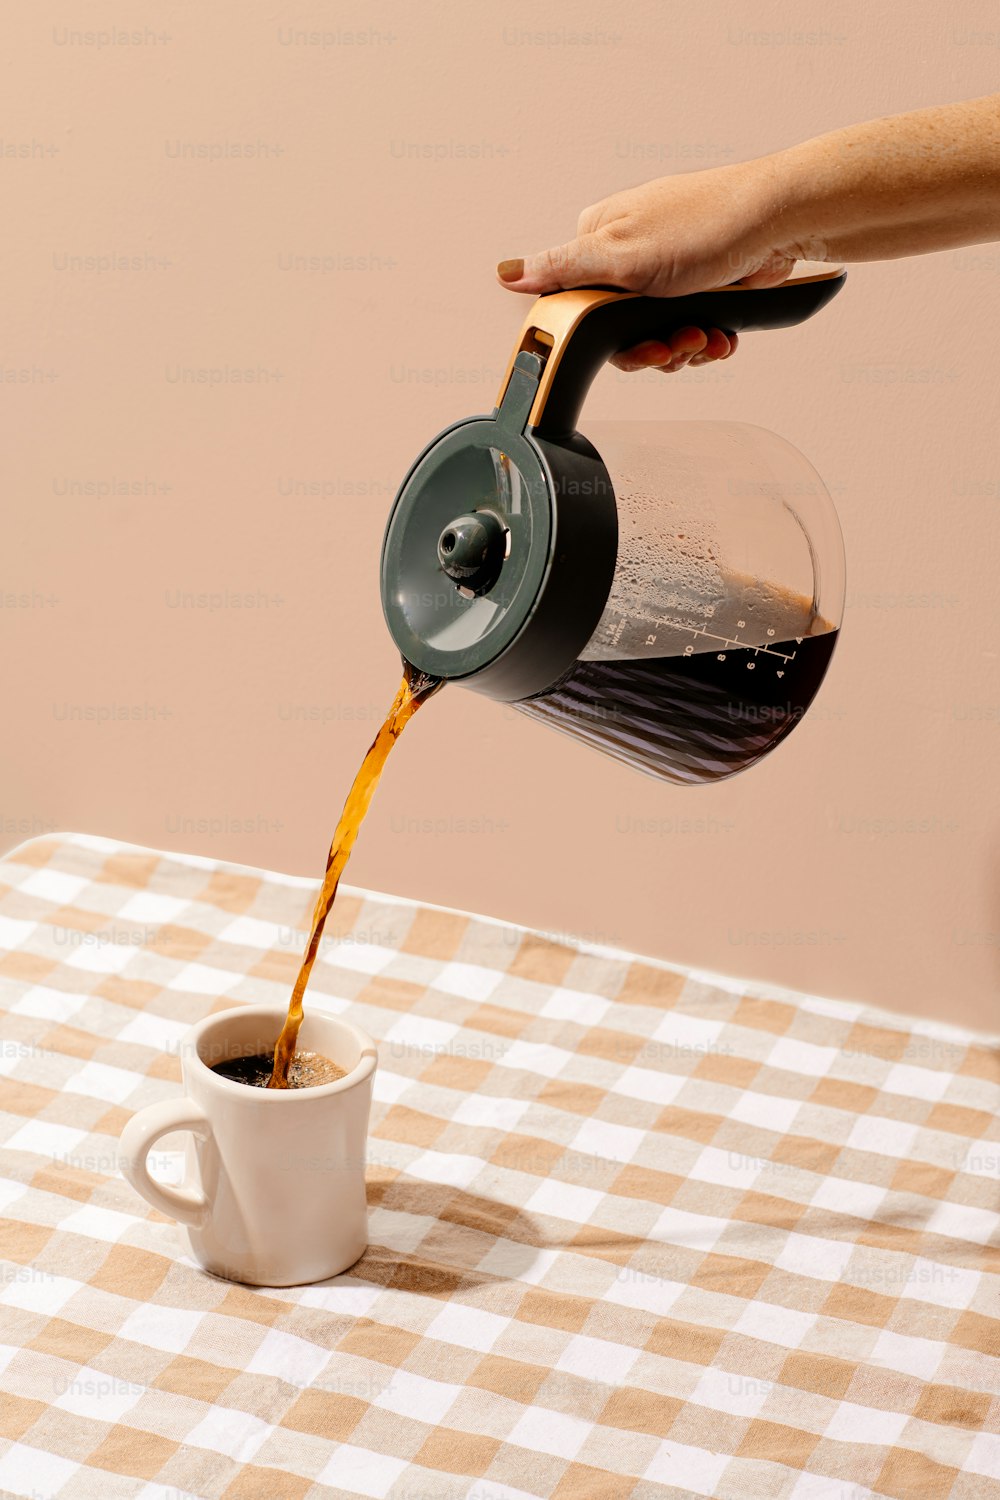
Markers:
720,346
686,346
580,262
661,354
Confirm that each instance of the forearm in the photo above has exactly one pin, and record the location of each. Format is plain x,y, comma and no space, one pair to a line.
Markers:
901,185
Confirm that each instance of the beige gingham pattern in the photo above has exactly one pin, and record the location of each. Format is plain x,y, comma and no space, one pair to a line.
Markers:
635,1232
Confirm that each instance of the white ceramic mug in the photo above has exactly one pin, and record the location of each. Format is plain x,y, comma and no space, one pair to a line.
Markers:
275,1181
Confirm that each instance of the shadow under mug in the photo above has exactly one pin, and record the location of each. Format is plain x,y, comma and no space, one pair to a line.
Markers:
274,1191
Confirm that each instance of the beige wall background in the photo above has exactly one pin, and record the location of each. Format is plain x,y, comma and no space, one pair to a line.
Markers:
193,651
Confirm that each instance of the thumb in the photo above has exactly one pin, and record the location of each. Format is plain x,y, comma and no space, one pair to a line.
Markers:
772,272
581,262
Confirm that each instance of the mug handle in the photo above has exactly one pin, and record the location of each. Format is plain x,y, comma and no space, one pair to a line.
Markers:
189,1205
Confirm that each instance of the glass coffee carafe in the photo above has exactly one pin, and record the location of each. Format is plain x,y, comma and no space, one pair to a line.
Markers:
666,592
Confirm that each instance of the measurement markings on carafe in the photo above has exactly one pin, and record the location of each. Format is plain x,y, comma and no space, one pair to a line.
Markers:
699,631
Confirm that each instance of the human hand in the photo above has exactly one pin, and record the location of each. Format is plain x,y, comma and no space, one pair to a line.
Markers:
900,185
688,233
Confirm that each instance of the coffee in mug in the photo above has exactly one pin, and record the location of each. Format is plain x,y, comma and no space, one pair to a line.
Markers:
306,1069
274,1190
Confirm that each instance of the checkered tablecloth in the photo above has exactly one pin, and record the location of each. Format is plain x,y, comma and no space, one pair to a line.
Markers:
635,1232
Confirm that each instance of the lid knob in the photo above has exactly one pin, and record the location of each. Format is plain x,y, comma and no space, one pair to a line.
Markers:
471,549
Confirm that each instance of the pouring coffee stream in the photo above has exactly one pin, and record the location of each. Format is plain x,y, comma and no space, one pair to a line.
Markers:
415,688
667,593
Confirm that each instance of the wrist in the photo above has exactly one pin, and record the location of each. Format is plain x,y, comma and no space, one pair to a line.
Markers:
781,200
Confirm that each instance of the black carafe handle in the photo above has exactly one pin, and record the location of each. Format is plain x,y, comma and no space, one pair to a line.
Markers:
579,330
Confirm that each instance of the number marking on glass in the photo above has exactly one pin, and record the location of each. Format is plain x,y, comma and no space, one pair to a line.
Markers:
724,640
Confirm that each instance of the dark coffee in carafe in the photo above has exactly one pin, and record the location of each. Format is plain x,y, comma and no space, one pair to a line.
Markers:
709,708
